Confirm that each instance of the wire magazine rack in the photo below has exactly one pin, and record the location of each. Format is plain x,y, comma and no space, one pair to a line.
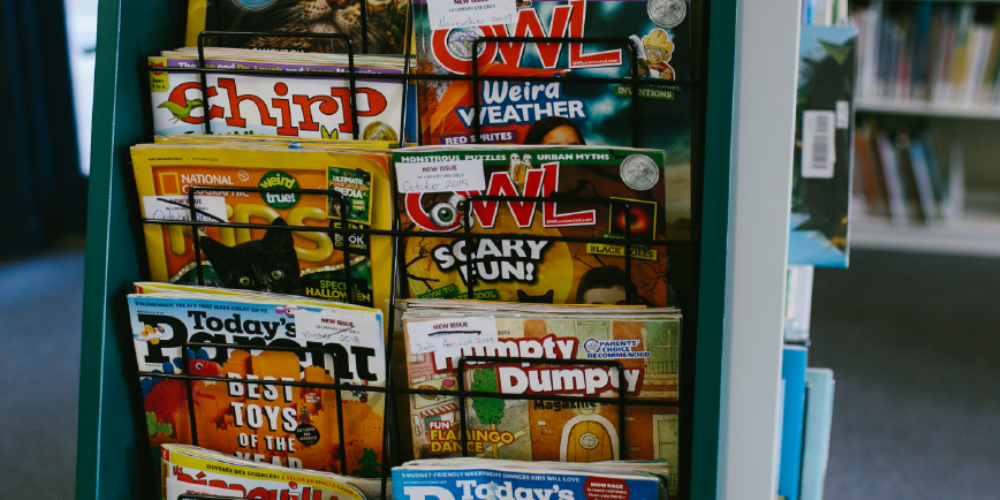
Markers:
390,452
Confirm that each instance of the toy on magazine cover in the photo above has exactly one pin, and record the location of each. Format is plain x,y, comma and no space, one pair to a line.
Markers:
279,104
561,113
282,425
308,263
553,272
197,471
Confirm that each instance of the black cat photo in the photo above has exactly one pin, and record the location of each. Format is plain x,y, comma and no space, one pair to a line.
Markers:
269,264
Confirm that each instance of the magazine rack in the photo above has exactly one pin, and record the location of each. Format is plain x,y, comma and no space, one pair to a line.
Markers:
112,439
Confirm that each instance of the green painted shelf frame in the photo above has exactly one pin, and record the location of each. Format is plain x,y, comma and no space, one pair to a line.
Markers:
109,441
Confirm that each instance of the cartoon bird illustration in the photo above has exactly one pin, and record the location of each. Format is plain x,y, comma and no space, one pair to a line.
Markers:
181,112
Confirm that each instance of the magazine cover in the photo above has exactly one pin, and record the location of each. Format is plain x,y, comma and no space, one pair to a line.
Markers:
279,261
385,19
280,105
562,113
821,177
646,343
197,471
509,480
543,271
288,426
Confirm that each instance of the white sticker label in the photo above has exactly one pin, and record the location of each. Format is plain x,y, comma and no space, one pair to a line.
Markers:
441,176
456,333
818,146
339,327
843,114
175,207
450,14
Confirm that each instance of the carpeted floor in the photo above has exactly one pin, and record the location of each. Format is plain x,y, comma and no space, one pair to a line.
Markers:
911,339
41,300
914,345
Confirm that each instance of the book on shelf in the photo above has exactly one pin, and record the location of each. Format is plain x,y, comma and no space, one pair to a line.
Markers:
821,179
937,52
818,421
798,302
793,371
902,174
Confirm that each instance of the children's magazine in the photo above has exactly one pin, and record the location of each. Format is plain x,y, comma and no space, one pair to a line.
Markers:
282,425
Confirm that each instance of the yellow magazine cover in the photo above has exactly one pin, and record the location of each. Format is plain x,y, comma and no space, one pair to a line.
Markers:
307,263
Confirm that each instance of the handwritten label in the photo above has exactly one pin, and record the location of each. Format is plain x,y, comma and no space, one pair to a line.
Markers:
175,207
455,333
450,14
441,176
339,327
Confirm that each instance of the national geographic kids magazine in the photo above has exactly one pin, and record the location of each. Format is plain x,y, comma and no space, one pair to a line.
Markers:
562,113
279,103
553,272
197,471
646,342
280,261
288,426
385,20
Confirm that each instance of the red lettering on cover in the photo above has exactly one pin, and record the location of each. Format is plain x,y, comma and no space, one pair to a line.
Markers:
235,119
284,107
327,105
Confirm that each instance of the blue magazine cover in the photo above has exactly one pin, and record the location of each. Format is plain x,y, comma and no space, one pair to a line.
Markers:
512,481
793,370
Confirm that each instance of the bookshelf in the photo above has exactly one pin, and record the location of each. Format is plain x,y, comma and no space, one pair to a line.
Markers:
929,109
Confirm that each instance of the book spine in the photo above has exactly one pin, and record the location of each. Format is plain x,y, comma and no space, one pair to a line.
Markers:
793,370
819,420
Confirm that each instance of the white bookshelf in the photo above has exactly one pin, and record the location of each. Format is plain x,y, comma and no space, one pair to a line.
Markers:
972,236
976,233
930,109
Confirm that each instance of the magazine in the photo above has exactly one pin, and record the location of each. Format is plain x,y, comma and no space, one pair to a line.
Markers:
561,113
283,425
822,172
509,480
276,260
197,471
646,343
279,104
385,20
553,272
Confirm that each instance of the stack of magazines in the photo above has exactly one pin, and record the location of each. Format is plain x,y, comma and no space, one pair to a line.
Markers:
278,424
189,470
508,480
280,102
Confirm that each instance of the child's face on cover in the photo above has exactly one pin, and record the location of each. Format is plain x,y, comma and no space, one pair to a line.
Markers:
608,296
563,135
